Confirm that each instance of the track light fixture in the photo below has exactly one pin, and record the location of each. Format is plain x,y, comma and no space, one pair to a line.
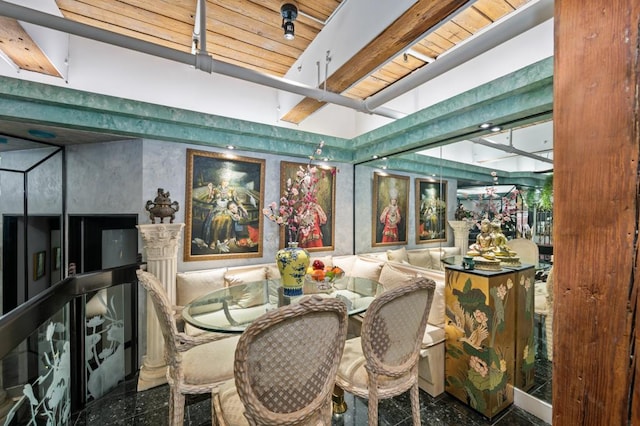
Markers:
289,12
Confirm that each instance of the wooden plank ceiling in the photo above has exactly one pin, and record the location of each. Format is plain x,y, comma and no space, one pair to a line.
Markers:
249,33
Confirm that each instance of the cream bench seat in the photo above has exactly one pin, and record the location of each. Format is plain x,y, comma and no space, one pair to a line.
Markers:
390,268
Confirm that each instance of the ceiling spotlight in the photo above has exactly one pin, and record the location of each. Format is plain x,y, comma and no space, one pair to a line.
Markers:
496,128
485,125
231,147
289,12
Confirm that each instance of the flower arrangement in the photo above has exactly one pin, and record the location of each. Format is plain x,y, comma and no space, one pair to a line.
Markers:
298,202
491,205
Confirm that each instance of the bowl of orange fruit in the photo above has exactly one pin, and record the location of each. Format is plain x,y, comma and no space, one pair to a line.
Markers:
324,276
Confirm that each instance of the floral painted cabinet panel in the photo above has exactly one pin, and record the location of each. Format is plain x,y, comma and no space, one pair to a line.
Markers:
525,345
480,338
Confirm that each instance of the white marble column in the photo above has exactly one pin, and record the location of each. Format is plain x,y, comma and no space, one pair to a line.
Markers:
461,234
161,242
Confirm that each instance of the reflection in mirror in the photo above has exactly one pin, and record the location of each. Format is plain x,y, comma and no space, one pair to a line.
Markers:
31,191
512,164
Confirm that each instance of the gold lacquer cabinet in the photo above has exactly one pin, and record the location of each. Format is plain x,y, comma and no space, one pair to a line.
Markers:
482,335
525,324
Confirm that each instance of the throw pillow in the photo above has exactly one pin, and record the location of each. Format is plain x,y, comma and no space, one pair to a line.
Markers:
398,255
391,278
450,251
251,297
245,275
419,258
366,269
435,260
191,285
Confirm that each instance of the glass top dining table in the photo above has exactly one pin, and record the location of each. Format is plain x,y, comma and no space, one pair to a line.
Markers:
232,309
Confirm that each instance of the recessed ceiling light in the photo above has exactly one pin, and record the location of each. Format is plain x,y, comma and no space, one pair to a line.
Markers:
41,134
231,147
496,128
375,157
485,125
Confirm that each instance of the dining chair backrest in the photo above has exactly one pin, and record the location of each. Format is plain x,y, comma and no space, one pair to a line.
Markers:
286,361
394,326
526,250
196,364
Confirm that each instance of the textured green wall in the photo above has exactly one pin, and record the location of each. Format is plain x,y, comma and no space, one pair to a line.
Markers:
524,95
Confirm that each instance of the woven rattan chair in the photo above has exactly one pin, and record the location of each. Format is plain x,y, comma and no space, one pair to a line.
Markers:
196,364
383,362
526,249
285,366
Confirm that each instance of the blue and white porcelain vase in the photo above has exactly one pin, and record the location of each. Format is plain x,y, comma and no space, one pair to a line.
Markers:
292,262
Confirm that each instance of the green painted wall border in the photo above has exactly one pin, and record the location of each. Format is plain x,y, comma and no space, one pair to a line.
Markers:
75,109
514,98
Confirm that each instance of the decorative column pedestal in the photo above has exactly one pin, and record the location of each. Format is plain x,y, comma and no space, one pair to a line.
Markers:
461,234
161,242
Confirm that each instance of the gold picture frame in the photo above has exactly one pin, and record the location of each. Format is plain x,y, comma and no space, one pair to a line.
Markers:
324,232
223,214
389,221
431,211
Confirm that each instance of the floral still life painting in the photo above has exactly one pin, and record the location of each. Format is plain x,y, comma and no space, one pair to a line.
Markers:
223,216
305,210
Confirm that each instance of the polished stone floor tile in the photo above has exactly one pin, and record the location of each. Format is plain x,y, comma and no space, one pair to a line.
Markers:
125,406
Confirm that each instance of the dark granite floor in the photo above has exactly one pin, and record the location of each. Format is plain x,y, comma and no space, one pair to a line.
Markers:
125,406
542,382
543,373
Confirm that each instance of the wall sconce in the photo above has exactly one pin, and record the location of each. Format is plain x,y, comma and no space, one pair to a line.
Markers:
289,12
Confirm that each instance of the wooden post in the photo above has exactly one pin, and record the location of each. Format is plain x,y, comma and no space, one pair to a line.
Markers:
596,150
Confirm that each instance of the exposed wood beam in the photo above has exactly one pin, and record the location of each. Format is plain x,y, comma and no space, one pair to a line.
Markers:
18,45
423,15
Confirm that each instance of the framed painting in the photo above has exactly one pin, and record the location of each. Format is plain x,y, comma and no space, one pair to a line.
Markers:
390,207
223,206
431,211
39,260
320,236
57,258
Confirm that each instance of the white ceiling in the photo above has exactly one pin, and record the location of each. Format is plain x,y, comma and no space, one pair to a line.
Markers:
536,139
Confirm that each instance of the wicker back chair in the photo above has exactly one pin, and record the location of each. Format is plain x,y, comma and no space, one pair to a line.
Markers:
383,362
285,366
526,249
196,364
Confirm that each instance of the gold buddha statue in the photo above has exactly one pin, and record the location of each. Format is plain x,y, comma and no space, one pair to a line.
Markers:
483,247
490,249
500,248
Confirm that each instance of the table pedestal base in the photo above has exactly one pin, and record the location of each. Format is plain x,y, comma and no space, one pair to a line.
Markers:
339,406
